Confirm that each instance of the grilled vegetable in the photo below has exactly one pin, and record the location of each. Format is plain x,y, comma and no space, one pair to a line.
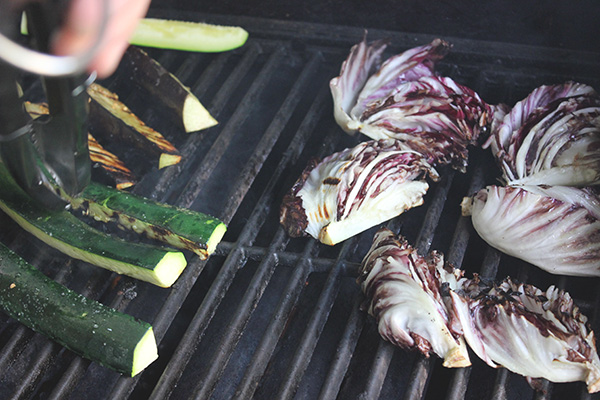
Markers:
63,231
86,327
555,228
551,137
111,163
108,161
188,36
109,118
167,89
528,331
404,99
179,227
355,189
403,293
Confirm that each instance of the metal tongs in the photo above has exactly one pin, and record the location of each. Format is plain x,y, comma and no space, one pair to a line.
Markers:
48,156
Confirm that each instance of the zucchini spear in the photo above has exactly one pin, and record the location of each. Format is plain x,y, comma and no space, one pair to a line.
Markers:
68,234
162,85
187,35
179,227
84,326
109,117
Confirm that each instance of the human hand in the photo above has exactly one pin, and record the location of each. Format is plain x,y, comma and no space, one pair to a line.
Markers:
81,26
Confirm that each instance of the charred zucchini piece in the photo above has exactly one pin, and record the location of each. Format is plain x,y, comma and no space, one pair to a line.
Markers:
109,118
108,161
68,234
179,227
84,326
188,36
163,86
111,163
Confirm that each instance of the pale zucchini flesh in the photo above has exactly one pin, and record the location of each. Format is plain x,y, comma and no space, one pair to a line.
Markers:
188,36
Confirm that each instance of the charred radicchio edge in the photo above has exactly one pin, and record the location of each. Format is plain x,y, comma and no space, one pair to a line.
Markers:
552,137
530,332
554,228
355,189
404,99
422,304
403,293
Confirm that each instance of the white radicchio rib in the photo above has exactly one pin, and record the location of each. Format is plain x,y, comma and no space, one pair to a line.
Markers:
554,228
405,100
402,291
355,189
530,332
552,137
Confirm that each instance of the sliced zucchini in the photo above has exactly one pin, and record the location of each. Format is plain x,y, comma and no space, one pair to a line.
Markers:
165,88
84,326
109,118
68,234
122,175
179,227
188,36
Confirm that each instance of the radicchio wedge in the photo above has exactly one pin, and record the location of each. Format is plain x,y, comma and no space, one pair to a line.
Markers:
552,137
405,99
355,189
402,291
554,228
533,333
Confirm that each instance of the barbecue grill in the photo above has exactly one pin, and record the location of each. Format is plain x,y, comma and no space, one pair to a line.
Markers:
270,317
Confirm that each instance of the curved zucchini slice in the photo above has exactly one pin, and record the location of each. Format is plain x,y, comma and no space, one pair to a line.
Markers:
179,227
63,231
84,326
188,36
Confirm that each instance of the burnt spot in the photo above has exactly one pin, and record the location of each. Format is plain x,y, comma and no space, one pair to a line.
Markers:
331,180
293,216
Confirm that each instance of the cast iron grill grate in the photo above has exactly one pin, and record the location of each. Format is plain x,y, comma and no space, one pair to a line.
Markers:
268,316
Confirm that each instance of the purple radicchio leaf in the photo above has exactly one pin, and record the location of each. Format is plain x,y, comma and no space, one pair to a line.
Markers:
405,100
402,292
554,228
362,61
433,115
552,137
355,189
361,76
530,332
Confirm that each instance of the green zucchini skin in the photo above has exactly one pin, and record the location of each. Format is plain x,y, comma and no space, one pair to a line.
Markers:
84,326
179,227
65,232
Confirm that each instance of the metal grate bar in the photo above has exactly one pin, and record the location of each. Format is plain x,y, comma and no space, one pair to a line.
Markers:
304,350
273,132
206,384
266,347
343,354
458,383
233,126
194,142
378,370
419,377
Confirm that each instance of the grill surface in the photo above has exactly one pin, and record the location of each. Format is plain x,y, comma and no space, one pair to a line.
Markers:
268,316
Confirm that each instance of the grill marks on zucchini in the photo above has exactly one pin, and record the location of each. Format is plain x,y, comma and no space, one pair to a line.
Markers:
86,327
179,227
109,117
68,234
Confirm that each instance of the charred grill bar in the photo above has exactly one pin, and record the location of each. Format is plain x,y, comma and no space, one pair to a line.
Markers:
268,316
